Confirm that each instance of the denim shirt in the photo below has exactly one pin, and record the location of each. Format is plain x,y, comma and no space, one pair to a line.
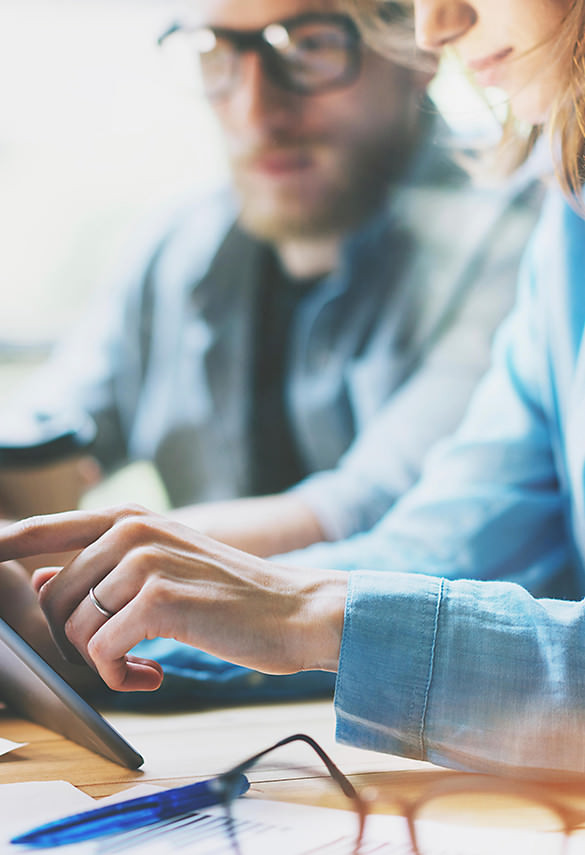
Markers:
162,361
485,674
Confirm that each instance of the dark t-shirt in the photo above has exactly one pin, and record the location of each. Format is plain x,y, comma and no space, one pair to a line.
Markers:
276,463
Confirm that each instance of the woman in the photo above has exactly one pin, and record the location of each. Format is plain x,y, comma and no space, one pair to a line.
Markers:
475,674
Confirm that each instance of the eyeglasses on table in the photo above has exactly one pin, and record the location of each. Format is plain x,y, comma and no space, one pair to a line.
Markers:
460,814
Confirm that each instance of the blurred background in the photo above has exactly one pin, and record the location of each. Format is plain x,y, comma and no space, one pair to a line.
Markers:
93,131
96,132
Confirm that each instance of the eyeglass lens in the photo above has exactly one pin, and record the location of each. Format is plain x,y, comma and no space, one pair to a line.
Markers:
481,823
306,55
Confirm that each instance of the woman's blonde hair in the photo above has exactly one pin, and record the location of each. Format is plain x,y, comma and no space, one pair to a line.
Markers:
567,120
388,26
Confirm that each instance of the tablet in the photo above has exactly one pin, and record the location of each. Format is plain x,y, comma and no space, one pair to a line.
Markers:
31,687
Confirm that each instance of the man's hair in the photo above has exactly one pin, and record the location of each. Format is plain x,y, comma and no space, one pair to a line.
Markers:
388,25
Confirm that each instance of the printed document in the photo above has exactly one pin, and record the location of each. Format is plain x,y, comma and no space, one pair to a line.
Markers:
262,827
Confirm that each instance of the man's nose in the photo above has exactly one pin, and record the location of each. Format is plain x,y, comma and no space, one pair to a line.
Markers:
259,101
442,22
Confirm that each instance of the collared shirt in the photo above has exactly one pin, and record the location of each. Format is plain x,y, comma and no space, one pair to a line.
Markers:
485,674
383,353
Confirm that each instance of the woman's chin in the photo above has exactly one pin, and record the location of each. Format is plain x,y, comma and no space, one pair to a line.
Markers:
533,104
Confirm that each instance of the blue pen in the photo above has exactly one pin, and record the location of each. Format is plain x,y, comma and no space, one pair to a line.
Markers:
134,813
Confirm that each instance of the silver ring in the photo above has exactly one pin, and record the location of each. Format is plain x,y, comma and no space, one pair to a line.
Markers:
101,609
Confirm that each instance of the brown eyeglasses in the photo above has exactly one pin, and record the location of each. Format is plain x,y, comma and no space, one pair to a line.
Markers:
460,814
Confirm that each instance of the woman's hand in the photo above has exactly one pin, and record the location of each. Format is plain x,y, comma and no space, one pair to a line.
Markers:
160,578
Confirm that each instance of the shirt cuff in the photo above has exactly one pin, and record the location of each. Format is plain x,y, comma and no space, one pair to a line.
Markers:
386,661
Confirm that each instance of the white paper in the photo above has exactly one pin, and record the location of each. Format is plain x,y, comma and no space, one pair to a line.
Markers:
263,828
24,806
6,746
29,804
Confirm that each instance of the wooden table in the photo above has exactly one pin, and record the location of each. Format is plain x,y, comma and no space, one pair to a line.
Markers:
183,747
180,748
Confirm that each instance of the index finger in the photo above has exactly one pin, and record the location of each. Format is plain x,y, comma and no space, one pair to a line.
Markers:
64,532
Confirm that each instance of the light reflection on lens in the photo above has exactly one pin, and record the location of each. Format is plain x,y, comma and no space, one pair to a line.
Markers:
277,36
204,40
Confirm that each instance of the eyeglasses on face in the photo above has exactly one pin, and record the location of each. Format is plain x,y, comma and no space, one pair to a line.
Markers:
308,54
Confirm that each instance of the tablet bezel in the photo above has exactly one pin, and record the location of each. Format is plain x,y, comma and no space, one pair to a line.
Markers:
31,687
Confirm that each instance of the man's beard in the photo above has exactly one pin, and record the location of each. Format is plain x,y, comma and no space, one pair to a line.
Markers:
344,201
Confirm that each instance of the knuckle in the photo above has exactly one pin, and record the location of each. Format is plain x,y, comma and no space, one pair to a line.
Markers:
143,559
154,599
157,589
133,529
111,670
96,648
47,601
69,630
130,509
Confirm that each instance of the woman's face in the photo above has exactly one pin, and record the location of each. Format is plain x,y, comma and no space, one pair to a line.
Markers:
505,43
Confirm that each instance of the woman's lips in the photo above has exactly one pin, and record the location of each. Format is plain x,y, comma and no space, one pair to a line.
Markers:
488,70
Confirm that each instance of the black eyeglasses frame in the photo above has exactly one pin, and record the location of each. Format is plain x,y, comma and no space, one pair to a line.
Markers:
245,41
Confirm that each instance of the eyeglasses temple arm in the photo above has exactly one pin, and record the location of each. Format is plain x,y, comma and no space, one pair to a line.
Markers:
172,28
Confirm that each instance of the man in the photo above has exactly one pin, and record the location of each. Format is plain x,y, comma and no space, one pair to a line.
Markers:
285,331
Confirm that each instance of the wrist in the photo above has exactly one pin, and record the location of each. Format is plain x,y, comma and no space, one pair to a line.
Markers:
323,617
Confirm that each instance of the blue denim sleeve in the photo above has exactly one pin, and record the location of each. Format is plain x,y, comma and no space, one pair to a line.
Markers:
483,675
471,675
